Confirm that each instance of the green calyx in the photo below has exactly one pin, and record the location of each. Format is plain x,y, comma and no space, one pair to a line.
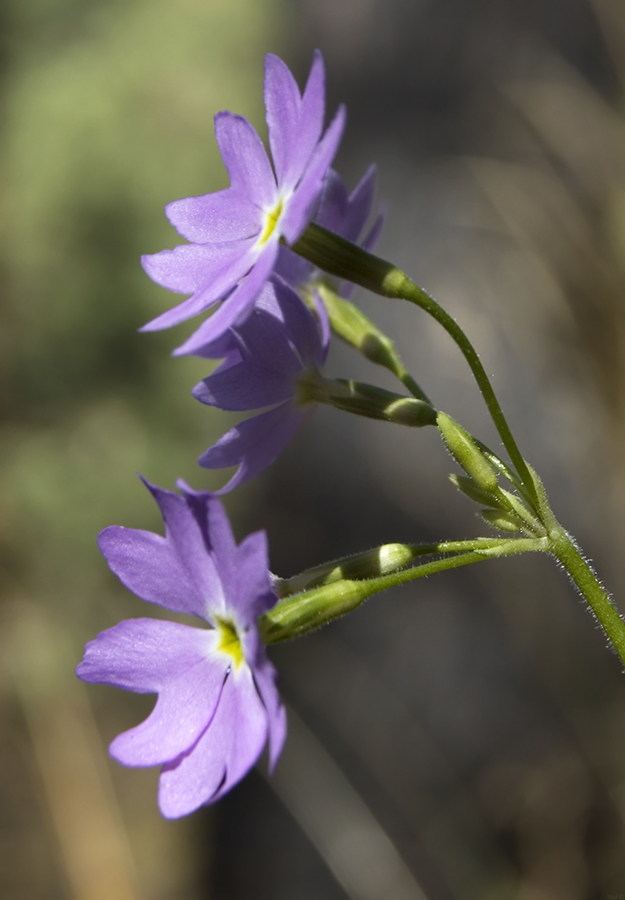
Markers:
369,564
309,610
364,400
466,452
297,614
339,257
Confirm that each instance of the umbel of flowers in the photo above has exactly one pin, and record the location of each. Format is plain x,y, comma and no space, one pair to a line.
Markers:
274,259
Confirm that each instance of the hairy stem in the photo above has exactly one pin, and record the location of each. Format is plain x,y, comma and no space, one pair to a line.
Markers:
564,549
298,614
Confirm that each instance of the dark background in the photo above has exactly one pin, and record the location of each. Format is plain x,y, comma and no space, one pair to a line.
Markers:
460,737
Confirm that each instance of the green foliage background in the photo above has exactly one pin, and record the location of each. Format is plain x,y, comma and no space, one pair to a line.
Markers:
107,114
106,111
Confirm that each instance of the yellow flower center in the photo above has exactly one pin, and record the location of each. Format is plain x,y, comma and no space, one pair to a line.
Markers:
270,222
229,640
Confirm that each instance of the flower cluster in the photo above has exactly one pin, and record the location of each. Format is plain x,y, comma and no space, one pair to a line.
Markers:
217,700
251,262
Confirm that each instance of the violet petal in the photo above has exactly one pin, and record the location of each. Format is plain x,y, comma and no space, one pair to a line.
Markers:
264,339
175,571
255,443
333,203
237,306
224,215
250,590
142,655
324,325
265,676
177,662
294,269
243,386
224,753
180,663
214,524
359,206
299,324
301,205
294,122
187,268
209,270
246,160
243,713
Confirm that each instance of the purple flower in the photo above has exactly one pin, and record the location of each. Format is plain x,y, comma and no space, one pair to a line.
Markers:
271,354
217,699
345,214
235,233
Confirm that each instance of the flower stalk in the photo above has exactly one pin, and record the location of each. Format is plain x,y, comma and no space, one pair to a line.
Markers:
299,614
346,260
564,549
383,560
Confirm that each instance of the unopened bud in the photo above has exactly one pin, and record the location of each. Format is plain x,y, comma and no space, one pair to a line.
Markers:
471,490
466,452
377,403
353,326
501,520
369,564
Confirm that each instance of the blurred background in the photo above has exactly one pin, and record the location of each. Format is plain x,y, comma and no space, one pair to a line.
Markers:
459,738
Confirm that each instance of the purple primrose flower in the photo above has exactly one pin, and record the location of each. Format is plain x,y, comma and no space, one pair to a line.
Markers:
217,698
235,233
267,362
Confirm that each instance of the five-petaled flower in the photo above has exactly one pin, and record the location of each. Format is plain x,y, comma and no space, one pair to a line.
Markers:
235,233
217,698
268,362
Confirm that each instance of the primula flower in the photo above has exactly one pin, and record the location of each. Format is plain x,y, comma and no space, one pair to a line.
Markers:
217,699
235,233
270,357
343,213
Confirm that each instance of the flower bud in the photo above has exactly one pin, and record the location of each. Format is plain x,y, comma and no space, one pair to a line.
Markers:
471,490
378,561
466,452
353,326
501,520
375,403
518,509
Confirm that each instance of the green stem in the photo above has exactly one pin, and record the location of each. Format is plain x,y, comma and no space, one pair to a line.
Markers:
373,563
343,259
301,613
564,549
